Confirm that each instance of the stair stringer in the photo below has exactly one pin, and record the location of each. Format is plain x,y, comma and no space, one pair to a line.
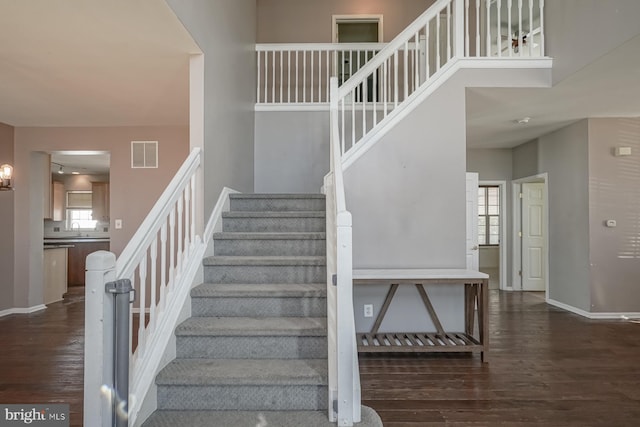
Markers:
481,72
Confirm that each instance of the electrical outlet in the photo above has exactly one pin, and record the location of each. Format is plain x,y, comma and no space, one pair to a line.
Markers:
368,310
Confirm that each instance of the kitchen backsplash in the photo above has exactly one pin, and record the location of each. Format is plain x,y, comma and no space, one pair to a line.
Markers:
54,229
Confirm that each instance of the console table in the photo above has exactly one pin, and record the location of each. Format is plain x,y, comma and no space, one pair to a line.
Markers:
476,286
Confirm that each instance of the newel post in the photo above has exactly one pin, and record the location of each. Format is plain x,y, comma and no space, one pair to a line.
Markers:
98,339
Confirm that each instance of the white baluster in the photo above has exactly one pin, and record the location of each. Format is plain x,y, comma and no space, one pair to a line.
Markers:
477,27
304,76
385,80
258,79
180,226
438,41
466,28
163,265
172,249
154,273
312,72
510,38
499,36
488,52
541,28
297,72
142,275
353,117
427,52
273,80
364,106
342,139
530,28
328,75
405,80
193,210
448,31
375,95
416,53
289,76
266,75
520,39
187,222
281,75
395,82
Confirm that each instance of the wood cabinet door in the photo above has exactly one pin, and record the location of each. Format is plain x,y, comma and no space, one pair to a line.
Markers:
57,201
100,201
77,260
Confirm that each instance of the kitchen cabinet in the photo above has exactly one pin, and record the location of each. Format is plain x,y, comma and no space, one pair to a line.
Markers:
57,201
55,274
45,168
77,258
100,201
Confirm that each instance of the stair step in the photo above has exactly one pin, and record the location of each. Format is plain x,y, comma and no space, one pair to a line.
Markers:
264,244
237,384
246,290
277,202
251,337
253,419
259,300
264,269
267,221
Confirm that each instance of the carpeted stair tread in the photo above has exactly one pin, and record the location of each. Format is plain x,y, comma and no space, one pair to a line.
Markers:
242,290
264,260
246,372
253,419
274,214
269,236
253,326
273,196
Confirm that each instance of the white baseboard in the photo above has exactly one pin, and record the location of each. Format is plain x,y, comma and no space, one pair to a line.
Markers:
595,316
26,310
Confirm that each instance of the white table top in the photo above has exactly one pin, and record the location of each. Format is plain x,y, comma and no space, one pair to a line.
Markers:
417,274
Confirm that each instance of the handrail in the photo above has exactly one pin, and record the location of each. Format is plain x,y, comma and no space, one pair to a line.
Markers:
127,261
393,46
266,47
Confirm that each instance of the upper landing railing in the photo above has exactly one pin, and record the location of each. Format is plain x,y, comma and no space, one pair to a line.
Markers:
297,75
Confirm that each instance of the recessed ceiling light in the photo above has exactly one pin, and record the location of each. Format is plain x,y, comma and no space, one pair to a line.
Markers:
523,121
75,173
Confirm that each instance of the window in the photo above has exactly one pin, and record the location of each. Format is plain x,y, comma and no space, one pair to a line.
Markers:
79,212
488,215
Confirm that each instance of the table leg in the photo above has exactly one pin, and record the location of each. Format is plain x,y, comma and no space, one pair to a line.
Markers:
483,319
432,312
385,307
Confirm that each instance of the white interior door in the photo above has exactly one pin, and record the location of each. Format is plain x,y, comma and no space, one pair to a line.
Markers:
533,238
472,222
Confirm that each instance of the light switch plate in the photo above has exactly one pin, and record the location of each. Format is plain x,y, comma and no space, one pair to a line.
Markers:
368,310
118,224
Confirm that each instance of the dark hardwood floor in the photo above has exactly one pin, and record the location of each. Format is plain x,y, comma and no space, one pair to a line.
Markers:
547,368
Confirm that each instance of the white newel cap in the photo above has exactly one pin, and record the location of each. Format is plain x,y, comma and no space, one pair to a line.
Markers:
100,260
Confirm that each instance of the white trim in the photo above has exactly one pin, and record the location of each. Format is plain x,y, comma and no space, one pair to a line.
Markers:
315,47
515,221
503,228
20,310
292,107
137,310
595,316
335,19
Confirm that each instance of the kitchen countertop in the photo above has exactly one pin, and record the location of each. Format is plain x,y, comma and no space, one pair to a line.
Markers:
63,240
57,246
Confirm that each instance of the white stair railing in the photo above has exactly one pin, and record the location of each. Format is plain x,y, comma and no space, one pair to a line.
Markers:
344,374
298,73
449,30
161,261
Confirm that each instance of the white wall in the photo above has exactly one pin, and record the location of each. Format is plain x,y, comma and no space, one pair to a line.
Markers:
226,34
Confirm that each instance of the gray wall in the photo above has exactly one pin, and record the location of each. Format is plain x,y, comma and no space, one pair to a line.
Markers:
564,155
580,31
291,151
295,21
614,193
226,34
407,198
525,160
6,224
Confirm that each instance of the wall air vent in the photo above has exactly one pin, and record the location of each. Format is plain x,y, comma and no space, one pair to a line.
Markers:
144,154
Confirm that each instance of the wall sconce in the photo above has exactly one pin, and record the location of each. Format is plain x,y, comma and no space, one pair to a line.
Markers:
6,173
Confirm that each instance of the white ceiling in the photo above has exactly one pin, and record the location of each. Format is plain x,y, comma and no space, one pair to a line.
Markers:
83,162
608,87
93,63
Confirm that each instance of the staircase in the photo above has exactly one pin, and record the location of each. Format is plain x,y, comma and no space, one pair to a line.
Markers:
254,352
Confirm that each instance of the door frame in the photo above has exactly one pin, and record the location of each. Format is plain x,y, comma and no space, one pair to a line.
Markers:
336,19
503,230
516,221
